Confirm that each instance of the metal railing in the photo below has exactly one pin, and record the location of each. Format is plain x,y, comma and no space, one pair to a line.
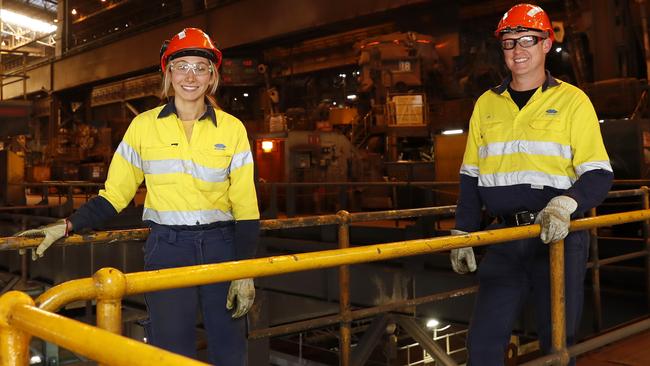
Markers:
20,319
108,286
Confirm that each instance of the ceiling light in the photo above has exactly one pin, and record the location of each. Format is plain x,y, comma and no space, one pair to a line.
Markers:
452,132
74,11
26,22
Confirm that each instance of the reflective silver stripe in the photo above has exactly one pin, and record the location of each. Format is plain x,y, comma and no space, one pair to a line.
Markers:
525,147
129,154
198,217
240,159
470,170
525,177
185,166
593,165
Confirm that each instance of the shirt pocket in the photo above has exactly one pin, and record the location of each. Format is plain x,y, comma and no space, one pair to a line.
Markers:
551,124
493,131
161,165
210,168
548,129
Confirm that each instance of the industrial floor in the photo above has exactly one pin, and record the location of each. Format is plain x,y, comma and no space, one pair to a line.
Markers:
632,351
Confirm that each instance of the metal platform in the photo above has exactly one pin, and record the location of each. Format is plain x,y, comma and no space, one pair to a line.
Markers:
632,351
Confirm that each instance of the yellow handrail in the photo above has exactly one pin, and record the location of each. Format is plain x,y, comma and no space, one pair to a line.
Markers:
149,281
20,319
108,286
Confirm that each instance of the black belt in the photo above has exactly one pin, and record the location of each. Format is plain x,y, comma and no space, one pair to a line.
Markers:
519,219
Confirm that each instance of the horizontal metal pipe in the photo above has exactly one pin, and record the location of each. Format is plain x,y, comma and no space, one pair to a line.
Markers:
115,236
149,281
401,214
261,267
625,193
619,238
623,257
357,314
65,293
91,342
613,268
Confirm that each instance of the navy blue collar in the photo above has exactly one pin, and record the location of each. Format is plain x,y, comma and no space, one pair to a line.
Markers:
170,108
548,83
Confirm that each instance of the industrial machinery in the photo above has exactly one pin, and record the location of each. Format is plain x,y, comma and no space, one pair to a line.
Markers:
371,120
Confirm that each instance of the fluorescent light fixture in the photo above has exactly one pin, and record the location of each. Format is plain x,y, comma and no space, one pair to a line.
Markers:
352,96
432,323
452,132
245,95
26,22
267,146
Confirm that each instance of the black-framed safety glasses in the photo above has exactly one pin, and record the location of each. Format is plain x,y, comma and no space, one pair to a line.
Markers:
523,41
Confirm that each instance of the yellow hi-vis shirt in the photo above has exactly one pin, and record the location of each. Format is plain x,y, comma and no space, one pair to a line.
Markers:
205,180
551,142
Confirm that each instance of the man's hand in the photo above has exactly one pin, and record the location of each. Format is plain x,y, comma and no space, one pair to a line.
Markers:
243,292
462,259
51,232
555,218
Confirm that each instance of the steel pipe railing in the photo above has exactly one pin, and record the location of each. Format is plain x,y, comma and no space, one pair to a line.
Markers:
149,281
20,319
62,294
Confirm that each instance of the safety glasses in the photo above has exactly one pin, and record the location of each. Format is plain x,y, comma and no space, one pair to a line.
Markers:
523,41
199,69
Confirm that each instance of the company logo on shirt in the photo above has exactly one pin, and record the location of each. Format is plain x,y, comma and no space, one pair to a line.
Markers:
552,112
219,146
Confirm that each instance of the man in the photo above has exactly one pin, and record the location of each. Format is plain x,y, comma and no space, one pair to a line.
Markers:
534,155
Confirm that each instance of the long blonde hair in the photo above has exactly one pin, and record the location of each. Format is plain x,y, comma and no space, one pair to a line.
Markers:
212,88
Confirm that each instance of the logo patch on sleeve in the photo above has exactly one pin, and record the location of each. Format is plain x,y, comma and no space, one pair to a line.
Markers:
219,146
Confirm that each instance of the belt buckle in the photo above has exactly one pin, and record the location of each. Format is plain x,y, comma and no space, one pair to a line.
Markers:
523,218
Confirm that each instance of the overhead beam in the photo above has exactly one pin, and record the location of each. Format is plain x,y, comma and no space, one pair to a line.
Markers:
254,20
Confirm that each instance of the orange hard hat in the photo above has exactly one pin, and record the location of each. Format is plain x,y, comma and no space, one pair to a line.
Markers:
523,17
189,42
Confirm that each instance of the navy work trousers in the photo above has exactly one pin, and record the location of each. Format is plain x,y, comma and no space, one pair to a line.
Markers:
173,313
507,274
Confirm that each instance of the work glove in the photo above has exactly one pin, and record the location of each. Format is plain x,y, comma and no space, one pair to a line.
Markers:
52,233
243,292
555,218
462,259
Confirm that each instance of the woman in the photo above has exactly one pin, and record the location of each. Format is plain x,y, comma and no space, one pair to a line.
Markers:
201,203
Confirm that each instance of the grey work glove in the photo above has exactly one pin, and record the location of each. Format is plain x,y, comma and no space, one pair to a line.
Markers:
462,259
243,293
51,232
555,218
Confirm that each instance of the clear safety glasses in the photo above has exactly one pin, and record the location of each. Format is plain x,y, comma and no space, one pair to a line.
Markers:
523,41
199,69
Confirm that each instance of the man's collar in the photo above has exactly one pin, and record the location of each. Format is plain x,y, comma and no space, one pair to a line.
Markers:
170,108
548,83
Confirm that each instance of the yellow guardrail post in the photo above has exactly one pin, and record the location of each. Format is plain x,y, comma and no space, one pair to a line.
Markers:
14,343
344,291
111,285
558,315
